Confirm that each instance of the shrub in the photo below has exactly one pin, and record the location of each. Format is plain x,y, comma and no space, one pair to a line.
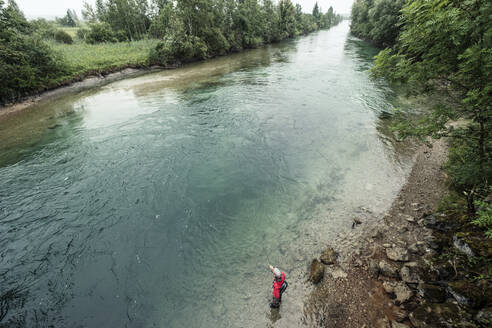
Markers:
63,37
82,33
100,32
175,50
121,36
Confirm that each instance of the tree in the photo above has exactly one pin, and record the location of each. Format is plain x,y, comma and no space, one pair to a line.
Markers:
317,14
27,64
451,54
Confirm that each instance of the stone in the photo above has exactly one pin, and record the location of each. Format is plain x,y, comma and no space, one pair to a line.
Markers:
388,269
373,268
409,218
399,289
397,254
386,245
339,273
382,323
462,246
395,324
429,221
329,256
399,314
432,293
413,248
409,275
317,271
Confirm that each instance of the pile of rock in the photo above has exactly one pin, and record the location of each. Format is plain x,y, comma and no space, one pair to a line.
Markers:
317,269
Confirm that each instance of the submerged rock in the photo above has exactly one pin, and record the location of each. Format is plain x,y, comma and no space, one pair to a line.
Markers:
329,256
317,271
397,254
388,269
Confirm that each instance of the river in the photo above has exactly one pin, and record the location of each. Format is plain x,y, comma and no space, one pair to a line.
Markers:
160,200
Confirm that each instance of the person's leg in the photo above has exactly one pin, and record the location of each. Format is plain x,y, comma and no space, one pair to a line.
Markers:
275,302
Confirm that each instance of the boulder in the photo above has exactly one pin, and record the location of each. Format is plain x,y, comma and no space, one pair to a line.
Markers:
432,293
329,256
397,254
317,271
399,289
388,269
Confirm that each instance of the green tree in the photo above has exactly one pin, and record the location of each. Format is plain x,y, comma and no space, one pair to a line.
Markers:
445,46
27,64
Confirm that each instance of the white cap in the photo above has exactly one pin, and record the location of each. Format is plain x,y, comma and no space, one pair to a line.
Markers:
277,273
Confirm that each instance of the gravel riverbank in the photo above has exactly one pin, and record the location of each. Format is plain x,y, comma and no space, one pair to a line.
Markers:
374,282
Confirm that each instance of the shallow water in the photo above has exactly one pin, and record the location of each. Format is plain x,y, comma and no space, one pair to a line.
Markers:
159,201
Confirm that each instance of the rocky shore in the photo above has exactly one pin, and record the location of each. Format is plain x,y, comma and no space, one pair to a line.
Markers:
416,267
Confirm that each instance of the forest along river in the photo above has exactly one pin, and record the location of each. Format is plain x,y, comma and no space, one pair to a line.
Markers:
159,201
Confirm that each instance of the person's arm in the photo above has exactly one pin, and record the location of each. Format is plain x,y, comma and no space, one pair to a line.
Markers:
271,268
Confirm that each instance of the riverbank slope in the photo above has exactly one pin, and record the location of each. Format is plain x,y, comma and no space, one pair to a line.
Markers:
397,272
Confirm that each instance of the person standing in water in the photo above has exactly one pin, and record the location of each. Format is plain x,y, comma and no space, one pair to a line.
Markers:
279,286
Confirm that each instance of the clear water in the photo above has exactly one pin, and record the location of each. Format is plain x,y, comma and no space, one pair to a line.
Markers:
159,201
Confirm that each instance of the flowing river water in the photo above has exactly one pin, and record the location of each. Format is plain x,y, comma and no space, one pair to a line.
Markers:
160,200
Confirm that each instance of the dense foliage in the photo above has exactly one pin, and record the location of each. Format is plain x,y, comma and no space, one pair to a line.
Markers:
27,63
377,20
444,46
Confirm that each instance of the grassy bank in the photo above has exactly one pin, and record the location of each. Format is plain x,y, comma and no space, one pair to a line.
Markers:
84,59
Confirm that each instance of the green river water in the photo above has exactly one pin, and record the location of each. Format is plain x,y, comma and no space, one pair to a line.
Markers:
160,200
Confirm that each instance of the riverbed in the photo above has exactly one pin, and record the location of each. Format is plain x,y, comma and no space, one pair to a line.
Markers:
160,200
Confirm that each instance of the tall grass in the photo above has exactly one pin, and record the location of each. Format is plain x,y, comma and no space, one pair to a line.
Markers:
84,59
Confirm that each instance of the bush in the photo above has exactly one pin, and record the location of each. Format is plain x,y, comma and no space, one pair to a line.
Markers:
63,37
43,28
176,50
82,33
484,216
100,32
121,36
27,64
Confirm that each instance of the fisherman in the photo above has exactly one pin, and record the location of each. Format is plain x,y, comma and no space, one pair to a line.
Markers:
279,286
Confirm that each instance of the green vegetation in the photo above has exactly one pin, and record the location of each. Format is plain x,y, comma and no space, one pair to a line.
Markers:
115,34
27,63
442,47
83,59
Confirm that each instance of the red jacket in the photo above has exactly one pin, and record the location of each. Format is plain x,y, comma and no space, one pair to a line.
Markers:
277,284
